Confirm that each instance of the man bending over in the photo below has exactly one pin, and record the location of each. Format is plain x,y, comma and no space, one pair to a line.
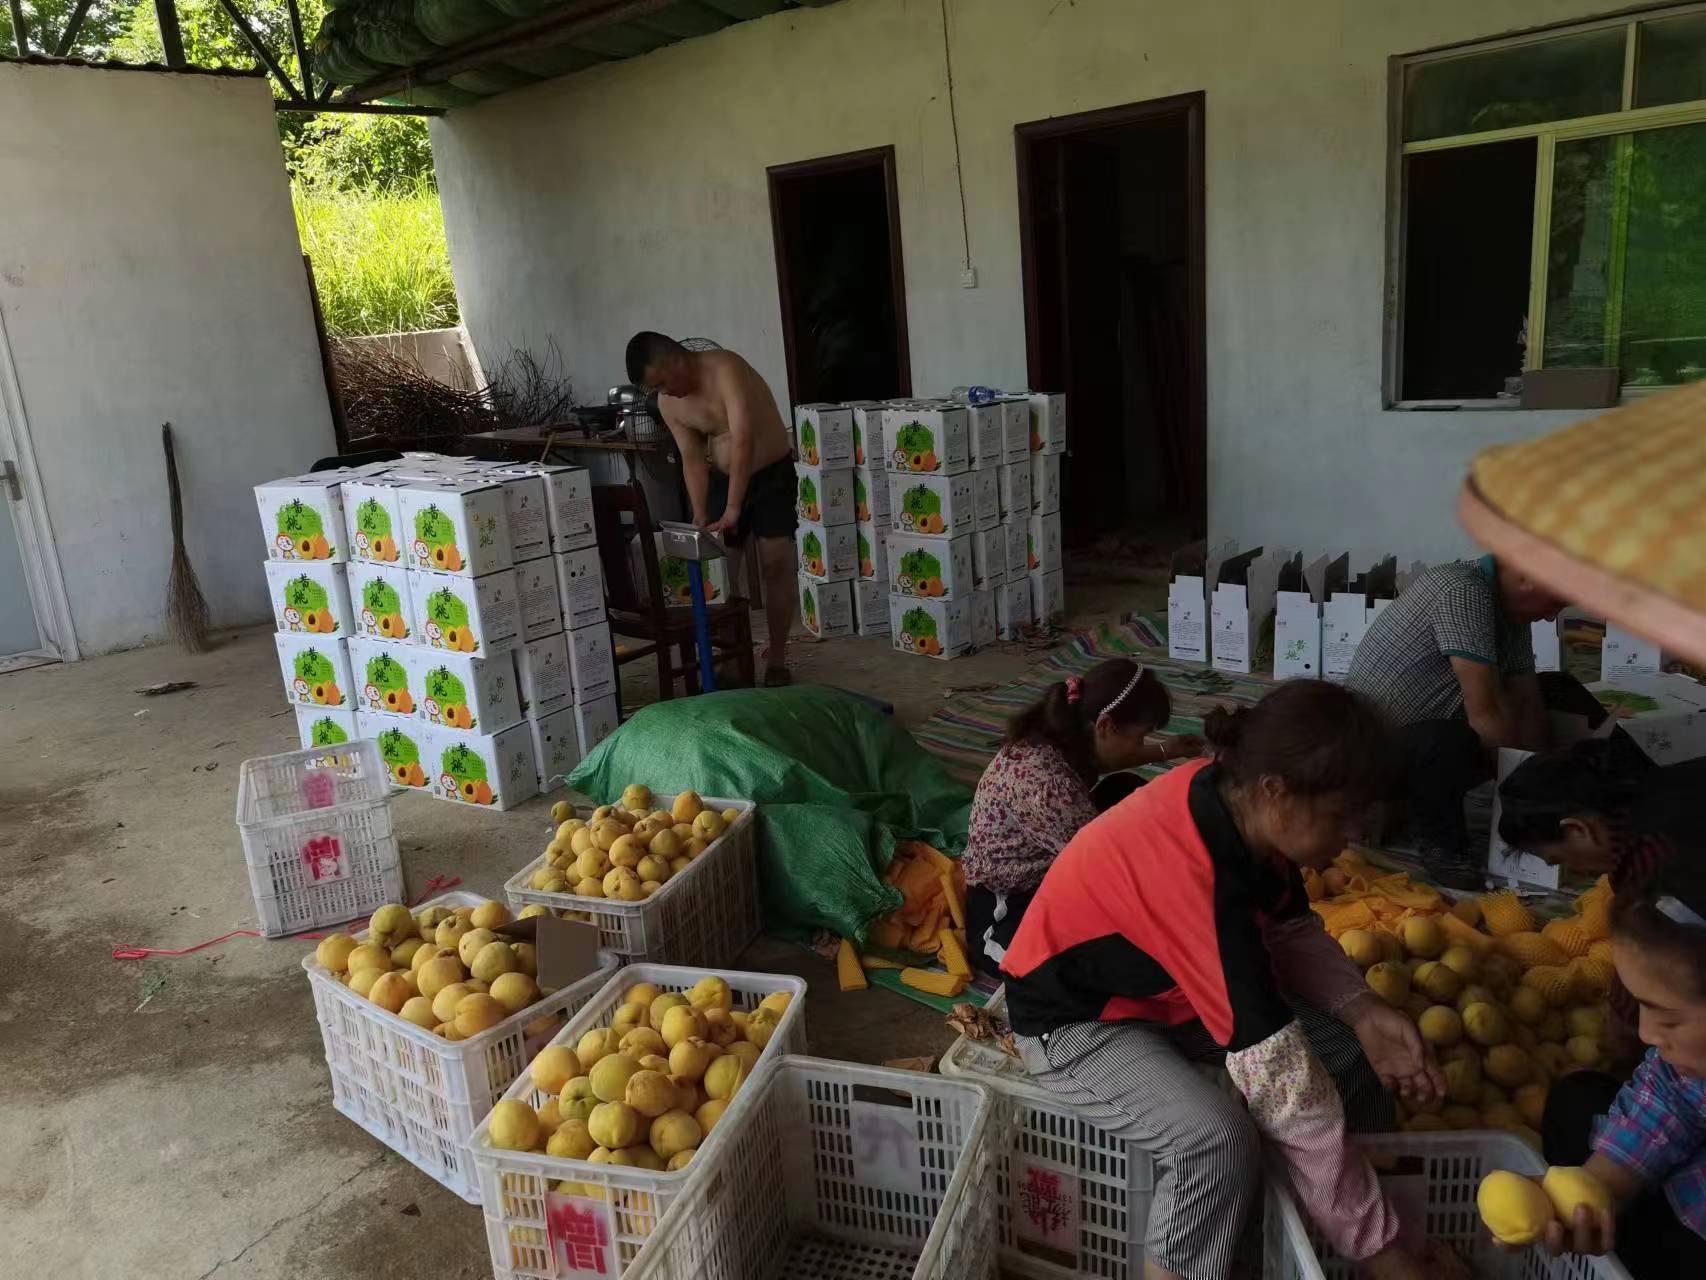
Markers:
735,457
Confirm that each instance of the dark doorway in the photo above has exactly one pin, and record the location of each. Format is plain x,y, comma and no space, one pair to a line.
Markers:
1111,236
837,227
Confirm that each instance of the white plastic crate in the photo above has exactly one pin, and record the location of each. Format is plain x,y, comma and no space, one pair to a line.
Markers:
317,836
1437,1175
530,1229
705,915
1036,1134
418,1093
838,1170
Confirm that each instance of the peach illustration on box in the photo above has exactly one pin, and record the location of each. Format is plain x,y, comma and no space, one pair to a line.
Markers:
861,500
808,609
918,633
811,555
1031,560
446,700
447,623
382,611
301,533
676,584
307,607
435,541
915,449
387,686
921,511
808,442
921,575
402,757
809,507
312,680
462,776
867,568
374,538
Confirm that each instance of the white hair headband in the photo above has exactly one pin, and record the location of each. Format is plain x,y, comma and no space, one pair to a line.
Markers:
1124,693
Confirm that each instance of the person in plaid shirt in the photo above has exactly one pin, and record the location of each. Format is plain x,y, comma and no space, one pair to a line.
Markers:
1649,1146
1451,664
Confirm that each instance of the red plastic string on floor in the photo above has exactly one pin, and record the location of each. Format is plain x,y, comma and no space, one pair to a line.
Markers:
434,886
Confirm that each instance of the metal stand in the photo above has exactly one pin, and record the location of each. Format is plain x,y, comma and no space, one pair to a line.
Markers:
694,545
702,628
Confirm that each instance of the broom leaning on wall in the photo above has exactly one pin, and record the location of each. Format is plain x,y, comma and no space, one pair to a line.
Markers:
186,607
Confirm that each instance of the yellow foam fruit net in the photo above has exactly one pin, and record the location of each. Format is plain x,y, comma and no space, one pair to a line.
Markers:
1556,983
1600,950
1503,913
1530,949
1570,935
1595,920
1593,975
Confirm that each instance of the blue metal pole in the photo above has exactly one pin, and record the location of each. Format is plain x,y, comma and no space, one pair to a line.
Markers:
702,628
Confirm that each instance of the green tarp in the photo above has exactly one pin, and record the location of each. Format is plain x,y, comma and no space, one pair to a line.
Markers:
837,784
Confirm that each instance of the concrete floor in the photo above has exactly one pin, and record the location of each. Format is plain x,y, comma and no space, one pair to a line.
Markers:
172,1117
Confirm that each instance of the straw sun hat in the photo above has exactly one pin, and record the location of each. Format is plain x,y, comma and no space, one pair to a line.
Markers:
1609,513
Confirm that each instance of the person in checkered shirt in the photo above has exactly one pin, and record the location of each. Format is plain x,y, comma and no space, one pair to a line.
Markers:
1645,1139
1451,664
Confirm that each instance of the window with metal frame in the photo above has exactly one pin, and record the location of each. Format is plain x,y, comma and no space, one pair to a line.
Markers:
1551,208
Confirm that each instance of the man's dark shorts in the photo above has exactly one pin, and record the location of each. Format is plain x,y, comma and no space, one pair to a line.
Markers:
767,511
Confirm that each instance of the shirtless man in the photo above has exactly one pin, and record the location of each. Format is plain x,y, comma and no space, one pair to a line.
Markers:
736,459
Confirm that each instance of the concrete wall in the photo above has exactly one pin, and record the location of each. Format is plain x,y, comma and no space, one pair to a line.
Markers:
634,196
441,354
150,272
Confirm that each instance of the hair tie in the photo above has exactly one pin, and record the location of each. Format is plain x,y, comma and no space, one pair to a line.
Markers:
1074,690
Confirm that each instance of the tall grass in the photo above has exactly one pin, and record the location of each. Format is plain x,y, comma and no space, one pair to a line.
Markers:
380,260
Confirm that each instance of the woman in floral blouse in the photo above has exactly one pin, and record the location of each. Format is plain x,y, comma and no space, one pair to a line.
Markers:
1036,793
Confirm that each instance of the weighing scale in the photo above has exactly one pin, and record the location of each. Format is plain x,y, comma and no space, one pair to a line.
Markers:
695,545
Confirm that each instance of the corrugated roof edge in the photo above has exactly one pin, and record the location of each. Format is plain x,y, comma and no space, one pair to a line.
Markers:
45,60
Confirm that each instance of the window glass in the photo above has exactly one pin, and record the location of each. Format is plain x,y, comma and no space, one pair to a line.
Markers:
1670,61
1643,193
1579,251
1663,338
1578,75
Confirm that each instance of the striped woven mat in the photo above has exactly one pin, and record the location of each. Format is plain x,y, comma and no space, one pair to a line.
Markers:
966,732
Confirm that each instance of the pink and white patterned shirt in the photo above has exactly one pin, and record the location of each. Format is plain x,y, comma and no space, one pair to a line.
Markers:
1029,803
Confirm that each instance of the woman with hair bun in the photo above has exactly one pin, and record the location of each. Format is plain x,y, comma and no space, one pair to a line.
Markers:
1042,786
1175,929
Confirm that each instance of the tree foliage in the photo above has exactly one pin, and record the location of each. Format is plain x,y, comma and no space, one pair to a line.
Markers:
45,21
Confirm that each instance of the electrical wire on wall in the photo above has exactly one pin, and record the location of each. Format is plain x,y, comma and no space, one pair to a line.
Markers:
959,172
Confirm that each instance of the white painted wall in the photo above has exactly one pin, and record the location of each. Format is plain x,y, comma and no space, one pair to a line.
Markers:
634,196
150,272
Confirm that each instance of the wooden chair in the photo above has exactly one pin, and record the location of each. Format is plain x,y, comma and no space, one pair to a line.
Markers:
635,602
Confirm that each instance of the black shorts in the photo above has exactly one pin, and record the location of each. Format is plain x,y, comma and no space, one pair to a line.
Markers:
767,511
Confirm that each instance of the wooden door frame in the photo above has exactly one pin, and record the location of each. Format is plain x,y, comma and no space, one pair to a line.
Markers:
1190,107
845,162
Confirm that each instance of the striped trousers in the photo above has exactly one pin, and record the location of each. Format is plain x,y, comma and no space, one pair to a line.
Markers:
1145,1083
